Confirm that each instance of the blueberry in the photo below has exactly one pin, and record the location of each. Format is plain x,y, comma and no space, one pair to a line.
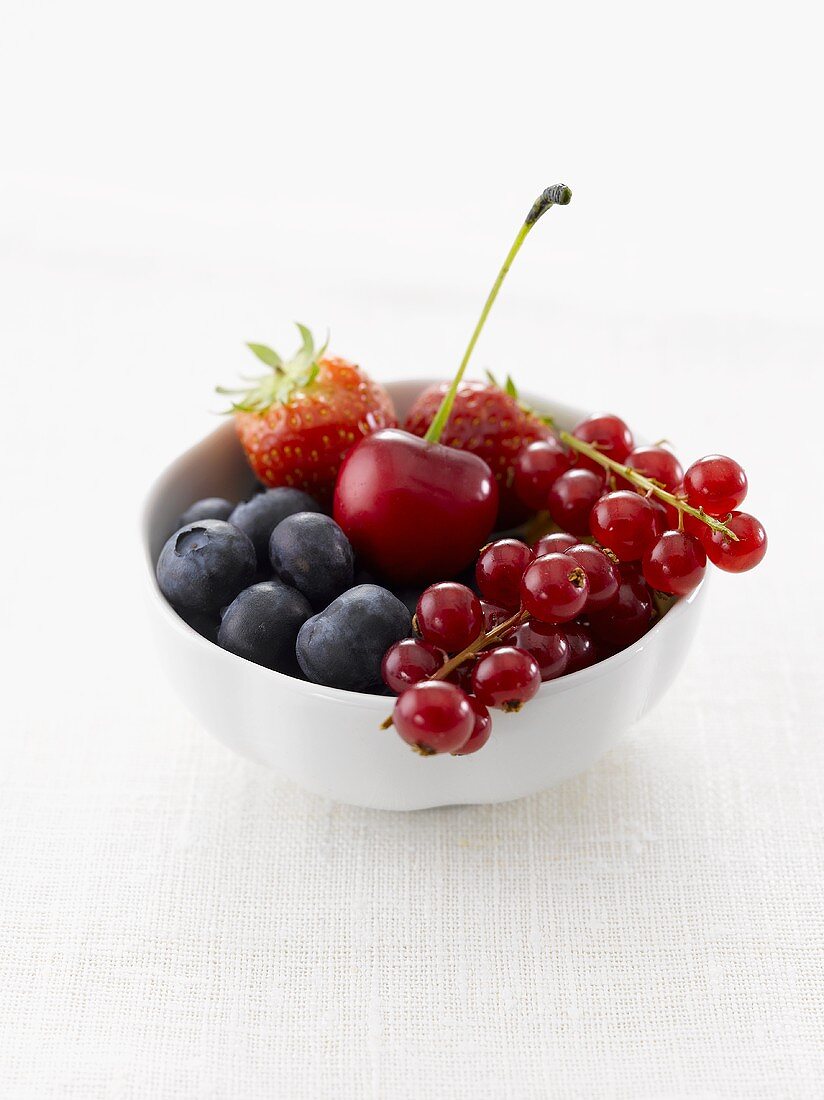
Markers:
208,508
205,625
309,552
204,565
262,625
259,516
344,645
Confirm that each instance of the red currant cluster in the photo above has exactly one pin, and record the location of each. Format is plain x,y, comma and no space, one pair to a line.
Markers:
565,603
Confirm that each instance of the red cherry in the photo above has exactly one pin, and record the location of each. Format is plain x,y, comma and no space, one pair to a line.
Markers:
499,570
715,483
409,661
625,523
628,618
608,433
449,615
413,510
675,563
556,543
571,499
737,557
506,677
554,589
547,644
658,464
481,731
582,651
536,469
602,575
434,717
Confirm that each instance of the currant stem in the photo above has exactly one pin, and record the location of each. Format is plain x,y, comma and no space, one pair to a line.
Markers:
647,484
559,195
481,642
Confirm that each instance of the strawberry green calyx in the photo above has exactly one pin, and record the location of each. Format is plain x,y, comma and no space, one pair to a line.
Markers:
284,378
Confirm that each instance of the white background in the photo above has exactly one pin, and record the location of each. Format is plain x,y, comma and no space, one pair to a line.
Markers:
178,178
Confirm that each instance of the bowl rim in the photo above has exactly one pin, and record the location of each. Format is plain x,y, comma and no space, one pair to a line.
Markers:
356,698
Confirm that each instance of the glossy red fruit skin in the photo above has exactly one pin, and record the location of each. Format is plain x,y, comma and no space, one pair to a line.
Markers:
491,424
602,575
715,483
482,729
434,717
625,523
582,652
656,463
555,543
449,615
675,563
506,678
628,619
414,511
493,615
554,589
499,570
609,433
737,557
689,523
547,644
408,662
572,497
537,468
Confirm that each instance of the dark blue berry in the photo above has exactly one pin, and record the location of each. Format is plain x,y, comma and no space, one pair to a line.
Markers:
204,565
205,625
262,625
259,516
208,508
309,552
344,645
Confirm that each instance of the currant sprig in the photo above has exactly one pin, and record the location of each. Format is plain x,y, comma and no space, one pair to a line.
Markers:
648,485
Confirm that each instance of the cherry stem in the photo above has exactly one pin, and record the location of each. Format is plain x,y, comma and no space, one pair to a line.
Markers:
557,195
647,484
484,639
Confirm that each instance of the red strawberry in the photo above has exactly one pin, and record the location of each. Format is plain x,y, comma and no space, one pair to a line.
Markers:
297,423
489,422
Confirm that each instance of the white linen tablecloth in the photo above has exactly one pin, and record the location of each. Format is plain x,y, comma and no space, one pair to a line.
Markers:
176,922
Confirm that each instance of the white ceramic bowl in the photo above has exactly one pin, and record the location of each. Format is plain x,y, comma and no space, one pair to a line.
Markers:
329,741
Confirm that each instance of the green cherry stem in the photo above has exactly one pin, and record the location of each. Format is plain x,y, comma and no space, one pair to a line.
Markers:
558,195
644,483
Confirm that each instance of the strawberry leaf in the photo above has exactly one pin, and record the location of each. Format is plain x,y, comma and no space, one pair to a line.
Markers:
266,355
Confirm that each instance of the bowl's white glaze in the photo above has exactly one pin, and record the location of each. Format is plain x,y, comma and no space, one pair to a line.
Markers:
329,741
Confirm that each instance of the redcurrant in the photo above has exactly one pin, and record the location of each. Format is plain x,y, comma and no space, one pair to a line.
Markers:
493,616
499,570
582,652
601,574
715,483
481,731
625,523
571,499
556,543
675,563
547,644
658,464
737,557
409,661
536,469
506,677
554,588
628,618
449,615
434,716
608,433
